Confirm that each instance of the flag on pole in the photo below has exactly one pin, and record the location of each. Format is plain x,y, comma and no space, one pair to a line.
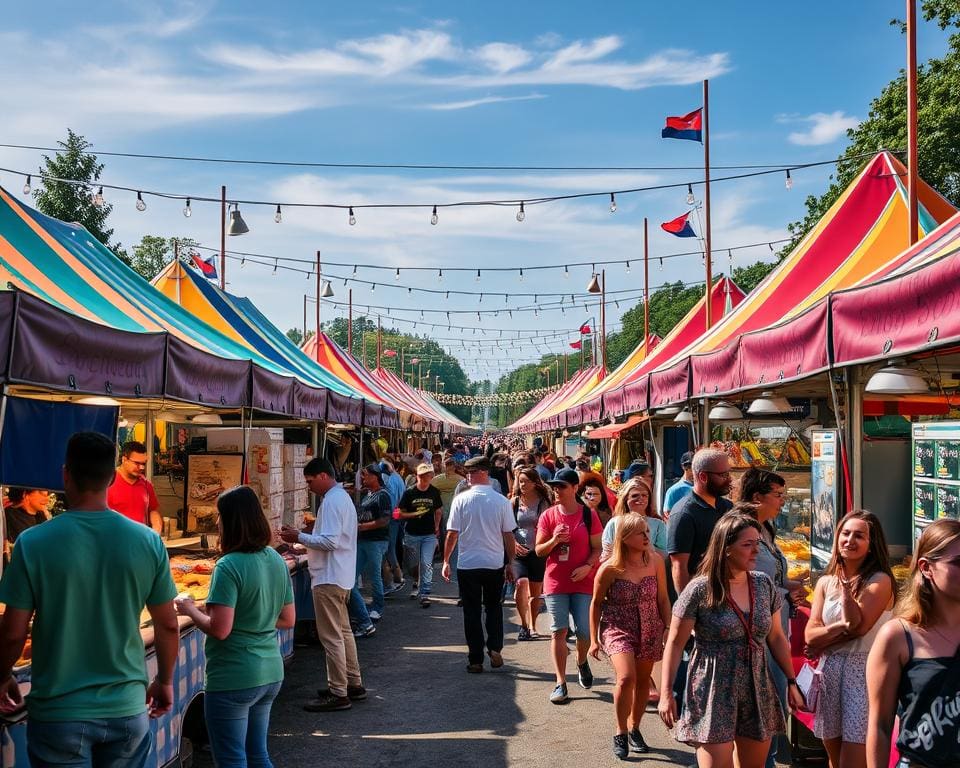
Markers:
576,344
206,266
680,226
685,127
584,329
389,353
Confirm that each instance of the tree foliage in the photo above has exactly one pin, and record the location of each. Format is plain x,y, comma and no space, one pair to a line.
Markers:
153,253
74,202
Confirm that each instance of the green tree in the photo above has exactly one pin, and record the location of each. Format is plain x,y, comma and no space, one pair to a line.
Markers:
750,277
74,202
153,253
938,121
296,336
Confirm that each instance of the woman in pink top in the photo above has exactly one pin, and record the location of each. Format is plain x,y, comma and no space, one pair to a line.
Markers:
568,536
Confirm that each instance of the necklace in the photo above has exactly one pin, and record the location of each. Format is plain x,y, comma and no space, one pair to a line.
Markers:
949,640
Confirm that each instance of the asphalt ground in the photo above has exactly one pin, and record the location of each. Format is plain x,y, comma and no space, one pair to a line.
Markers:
424,709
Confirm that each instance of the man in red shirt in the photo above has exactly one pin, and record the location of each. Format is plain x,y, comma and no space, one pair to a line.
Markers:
131,494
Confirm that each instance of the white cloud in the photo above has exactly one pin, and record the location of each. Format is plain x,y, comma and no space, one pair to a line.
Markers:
579,52
503,57
468,103
824,127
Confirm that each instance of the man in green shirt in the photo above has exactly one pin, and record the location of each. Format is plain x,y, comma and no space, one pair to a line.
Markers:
84,577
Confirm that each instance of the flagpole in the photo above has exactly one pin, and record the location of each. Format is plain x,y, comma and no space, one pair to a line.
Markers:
912,171
223,238
708,256
646,290
317,331
603,319
350,321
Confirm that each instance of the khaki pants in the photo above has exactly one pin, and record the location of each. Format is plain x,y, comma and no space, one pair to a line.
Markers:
336,637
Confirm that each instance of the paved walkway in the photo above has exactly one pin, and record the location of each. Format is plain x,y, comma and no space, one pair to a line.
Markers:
424,709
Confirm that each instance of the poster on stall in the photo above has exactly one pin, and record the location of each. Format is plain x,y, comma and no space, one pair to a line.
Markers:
208,475
936,473
824,494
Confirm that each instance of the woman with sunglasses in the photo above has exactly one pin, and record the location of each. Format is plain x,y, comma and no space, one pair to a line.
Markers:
851,602
529,501
594,498
913,670
636,496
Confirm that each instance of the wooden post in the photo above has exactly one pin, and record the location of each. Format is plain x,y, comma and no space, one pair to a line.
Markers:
176,260
350,321
223,238
566,371
646,290
707,255
317,331
912,172
379,340
603,319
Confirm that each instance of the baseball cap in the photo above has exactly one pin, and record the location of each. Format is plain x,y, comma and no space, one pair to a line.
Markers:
687,459
565,477
424,469
636,469
374,469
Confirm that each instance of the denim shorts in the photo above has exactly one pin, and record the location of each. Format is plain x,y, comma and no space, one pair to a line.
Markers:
562,607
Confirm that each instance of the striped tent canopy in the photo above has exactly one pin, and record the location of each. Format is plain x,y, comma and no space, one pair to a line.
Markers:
546,414
83,321
419,401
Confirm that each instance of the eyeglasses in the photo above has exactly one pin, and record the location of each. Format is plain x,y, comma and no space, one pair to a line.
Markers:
138,463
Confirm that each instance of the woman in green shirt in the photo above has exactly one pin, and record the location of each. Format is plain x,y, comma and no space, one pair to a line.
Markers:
250,598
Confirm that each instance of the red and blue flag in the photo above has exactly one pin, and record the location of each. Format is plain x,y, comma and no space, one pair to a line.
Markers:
680,226
685,127
206,266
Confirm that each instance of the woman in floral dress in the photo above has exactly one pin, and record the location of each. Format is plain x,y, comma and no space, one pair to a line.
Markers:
628,615
731,705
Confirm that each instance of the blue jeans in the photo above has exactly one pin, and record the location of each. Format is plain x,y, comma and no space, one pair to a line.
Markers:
421,547
396,533
369,557
115,742
237,723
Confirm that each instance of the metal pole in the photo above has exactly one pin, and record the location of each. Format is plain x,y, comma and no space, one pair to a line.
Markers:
379,340
603,319
646,290
176,259
350,321
223,238
402,352
305,317
912,172
317,331
566,372
707,255
148,433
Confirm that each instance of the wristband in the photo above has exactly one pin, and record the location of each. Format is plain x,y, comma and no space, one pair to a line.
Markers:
791,681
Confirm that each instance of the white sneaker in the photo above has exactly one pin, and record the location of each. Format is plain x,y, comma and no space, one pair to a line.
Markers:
375,615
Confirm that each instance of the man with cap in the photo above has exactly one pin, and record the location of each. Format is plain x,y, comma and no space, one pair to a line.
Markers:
682,488
481,525
422,508
373,538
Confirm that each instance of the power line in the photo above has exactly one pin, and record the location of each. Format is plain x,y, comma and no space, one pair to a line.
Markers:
421,166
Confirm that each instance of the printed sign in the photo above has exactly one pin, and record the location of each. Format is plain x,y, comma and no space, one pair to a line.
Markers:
936,473
824,494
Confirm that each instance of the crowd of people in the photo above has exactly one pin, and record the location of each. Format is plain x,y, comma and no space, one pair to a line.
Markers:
689,605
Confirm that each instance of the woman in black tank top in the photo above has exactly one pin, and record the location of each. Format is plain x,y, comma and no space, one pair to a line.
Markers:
913,670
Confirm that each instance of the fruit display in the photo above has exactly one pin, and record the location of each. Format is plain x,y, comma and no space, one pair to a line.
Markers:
757,448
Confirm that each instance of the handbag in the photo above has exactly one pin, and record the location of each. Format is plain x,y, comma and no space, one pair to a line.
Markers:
809,680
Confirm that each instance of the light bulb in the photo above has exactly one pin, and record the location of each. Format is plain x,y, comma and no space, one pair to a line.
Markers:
434,218
186,209
26,185
521,274
566,272
373,287
661,264
98,198
789,181
243,261
613,203
440,276
690,198
141,206
521,215
477,278
278,216
351,218
397,276
628,267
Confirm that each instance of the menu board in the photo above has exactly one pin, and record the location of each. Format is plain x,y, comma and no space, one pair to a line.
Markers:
824,494
208,475
936,473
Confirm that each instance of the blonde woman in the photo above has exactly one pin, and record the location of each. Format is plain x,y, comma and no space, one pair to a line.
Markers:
636,496
628,615
913,670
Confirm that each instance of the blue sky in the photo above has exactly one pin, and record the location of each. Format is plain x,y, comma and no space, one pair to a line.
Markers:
440,83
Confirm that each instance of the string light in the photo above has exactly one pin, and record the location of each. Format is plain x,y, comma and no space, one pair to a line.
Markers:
275,266
351,218
354,270
628,267
26,185
278,216
481,299
434,218
187,212
373,287
521,215
440,276
690,197
243,262
566,272
789,181
141,206
98,198
397,275
477,278
521,274
613,203
661,263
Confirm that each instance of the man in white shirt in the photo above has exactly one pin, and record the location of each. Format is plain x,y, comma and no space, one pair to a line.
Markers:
481,527
332,559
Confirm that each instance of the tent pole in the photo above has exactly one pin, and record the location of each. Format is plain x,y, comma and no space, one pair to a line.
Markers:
318,305
350,321
707,255
223,238
912,171
646,291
